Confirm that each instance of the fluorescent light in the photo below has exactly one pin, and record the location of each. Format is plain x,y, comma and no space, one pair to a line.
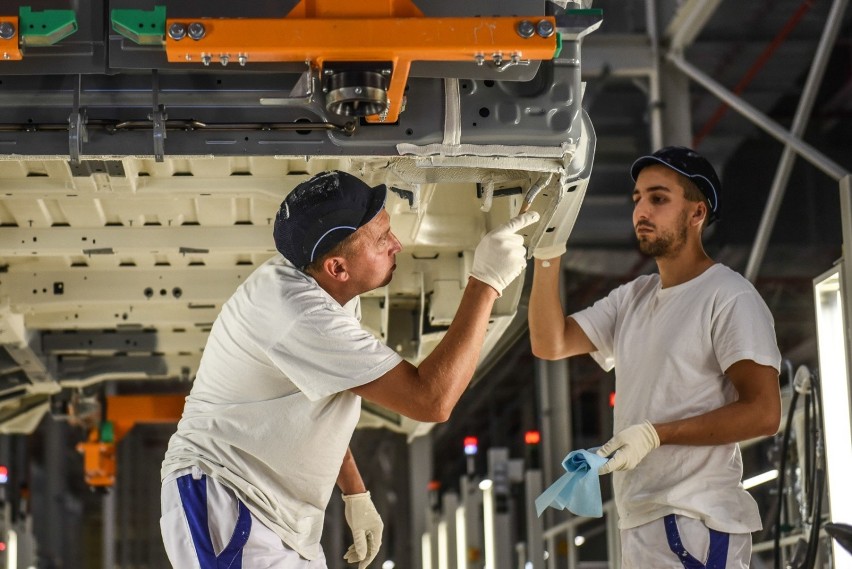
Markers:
12,550
461,538
760,479
426,550
443,546
834,389
488,524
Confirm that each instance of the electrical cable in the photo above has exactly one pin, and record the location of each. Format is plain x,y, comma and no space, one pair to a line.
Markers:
819,474
813,471
782,467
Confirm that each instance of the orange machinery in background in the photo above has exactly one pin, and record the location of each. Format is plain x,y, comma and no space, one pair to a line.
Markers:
122,413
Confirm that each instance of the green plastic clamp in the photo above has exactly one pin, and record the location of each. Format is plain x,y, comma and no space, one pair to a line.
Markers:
558,51
46,27
107,432
144,27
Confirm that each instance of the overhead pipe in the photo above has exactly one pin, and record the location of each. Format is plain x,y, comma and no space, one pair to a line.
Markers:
779,39
808,152
655,111
800,121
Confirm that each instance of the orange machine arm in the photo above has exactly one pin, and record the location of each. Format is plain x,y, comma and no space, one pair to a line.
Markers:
320,31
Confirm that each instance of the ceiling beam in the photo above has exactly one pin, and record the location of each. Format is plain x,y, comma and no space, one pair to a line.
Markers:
121,240
135,285
688,21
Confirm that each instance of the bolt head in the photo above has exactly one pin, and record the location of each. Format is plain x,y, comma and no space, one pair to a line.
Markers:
243,59
544,28
177,31
7,30
224,59
196,30
525,29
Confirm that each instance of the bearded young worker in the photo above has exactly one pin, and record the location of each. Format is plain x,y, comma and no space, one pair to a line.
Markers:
696,366
265,430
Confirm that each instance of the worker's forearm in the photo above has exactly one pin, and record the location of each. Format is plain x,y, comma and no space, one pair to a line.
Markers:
546,316
349,480
447,371
735,422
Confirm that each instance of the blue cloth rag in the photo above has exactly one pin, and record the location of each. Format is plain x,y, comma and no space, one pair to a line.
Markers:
579,489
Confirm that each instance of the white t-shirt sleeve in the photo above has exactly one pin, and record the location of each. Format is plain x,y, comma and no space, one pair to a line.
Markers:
598,322
744,329
326,352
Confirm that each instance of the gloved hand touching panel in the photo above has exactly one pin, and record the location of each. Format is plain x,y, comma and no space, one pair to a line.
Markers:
500,257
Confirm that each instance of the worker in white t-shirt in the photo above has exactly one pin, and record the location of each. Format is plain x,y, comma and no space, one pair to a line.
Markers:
696,366
265,431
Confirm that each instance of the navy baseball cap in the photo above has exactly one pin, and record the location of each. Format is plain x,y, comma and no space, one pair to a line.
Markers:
323,211
689,163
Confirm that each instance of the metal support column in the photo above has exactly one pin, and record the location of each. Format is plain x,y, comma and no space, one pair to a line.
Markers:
676,112
800,121
533,487
655,103
846,227
555,405
109,510
420,472
553,391
448,532
500,554
471,532
55,470
808,152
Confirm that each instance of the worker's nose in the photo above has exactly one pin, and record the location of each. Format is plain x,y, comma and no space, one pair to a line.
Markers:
396,246
640,212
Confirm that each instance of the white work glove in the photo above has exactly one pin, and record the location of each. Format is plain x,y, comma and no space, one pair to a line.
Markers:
500,256
629,447
366,526
550,251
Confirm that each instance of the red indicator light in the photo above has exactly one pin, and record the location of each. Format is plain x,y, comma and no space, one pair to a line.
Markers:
532,437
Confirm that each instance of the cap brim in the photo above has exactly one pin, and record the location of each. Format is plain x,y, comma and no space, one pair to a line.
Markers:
644,161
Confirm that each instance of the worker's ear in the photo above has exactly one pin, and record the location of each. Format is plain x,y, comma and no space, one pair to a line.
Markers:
335,267
699,215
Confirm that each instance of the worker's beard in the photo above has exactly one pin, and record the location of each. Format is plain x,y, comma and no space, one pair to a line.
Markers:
665,243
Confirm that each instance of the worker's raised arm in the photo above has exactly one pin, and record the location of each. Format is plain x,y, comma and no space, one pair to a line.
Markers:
552,335
429,393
